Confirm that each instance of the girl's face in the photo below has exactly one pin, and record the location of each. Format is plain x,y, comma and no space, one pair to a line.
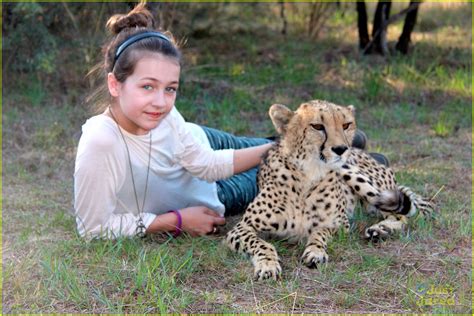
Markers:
147,95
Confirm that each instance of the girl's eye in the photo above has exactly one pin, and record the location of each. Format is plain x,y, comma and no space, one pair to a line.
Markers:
148,87
318,127
171,89
346,125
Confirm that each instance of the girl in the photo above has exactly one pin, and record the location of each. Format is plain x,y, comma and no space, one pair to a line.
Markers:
140,168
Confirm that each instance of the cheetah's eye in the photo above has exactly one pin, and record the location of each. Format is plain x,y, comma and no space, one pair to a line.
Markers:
318,127
346,125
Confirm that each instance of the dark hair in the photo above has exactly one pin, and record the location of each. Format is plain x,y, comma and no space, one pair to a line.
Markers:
124,26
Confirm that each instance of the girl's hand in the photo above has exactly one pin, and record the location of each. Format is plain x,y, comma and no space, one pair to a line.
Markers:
200,220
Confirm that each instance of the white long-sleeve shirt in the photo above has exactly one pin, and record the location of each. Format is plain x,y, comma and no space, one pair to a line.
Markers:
183,171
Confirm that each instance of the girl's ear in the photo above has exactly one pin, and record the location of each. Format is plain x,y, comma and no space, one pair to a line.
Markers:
113,84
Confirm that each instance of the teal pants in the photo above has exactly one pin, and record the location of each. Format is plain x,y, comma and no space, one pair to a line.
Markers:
238,191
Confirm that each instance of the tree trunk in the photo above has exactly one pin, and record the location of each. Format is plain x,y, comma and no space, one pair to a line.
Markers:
410,21
283,18
362,24
382,14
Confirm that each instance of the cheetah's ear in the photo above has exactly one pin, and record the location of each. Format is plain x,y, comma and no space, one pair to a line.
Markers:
280,116
351,108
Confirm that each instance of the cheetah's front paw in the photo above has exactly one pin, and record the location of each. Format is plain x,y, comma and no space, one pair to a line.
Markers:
312,257
266,269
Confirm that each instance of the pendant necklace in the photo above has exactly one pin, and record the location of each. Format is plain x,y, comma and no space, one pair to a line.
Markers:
140,231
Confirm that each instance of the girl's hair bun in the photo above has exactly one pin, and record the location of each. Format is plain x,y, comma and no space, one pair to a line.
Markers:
138,17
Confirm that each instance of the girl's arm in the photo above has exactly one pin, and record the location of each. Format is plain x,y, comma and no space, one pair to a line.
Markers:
207,164
95,201
248,158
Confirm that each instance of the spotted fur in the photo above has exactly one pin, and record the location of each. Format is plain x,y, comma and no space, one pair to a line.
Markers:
309,184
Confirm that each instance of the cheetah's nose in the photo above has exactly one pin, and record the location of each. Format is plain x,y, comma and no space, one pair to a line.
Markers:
339,149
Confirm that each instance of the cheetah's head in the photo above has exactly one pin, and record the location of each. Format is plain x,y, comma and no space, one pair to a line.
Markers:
317,132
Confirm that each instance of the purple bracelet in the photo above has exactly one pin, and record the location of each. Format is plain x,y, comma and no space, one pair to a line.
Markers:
178,230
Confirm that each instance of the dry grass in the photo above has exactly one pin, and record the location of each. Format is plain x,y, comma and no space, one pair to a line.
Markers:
415,109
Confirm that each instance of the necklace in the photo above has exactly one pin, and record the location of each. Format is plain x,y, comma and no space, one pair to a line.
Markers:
140,231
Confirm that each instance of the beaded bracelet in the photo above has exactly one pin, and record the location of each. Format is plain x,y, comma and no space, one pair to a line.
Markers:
178,230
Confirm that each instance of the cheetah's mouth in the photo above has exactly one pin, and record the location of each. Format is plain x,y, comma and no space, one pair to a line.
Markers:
332,160
337,161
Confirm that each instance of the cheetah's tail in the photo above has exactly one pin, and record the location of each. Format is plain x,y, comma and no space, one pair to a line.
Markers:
405,202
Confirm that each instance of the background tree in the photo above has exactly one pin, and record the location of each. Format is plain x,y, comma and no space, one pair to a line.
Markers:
364,38
379,31
410,21
382,20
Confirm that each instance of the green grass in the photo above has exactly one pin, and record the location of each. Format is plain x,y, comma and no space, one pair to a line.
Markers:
416,109
127,275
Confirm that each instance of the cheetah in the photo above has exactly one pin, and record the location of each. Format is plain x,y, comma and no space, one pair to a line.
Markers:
309,184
